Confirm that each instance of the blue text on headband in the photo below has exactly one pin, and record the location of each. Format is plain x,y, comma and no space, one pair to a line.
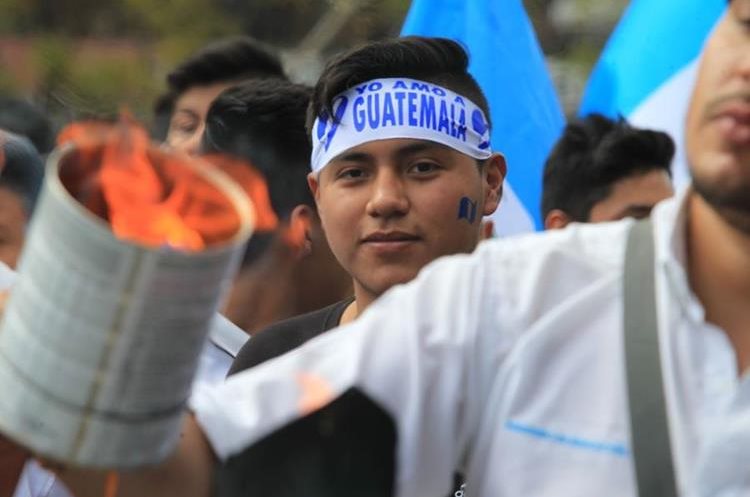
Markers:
400,108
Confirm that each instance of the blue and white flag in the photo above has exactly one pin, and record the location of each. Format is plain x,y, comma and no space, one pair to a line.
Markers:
509,65
648,67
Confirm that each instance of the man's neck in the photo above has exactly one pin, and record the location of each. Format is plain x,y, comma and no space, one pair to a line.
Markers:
362,300
260,296
719,269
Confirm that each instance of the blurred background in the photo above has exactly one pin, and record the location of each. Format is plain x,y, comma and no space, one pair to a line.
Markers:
77,58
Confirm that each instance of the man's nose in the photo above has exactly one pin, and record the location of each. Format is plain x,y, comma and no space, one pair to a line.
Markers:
389,195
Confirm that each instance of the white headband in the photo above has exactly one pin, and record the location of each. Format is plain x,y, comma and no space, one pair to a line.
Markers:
400,108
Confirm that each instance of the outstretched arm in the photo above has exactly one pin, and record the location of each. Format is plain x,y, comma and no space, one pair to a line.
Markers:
12,460
188,472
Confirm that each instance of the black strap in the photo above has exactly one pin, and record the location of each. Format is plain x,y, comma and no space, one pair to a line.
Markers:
649,428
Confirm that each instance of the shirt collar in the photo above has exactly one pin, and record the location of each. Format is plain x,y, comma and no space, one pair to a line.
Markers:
226,335
670,233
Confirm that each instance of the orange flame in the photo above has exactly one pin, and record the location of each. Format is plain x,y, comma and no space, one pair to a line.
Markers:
293,234
148,196
252,182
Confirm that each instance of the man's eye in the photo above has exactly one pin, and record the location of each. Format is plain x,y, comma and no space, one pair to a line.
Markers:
351,173
183,126
424,167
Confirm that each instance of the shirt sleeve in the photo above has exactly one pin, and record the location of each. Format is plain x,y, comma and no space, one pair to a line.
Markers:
412,354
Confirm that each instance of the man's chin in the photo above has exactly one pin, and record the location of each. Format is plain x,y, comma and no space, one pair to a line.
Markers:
378,284
730,199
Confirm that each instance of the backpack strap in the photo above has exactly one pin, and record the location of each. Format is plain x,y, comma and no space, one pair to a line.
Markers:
649,428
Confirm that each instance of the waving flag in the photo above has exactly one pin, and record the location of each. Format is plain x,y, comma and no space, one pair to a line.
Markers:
509,65
648,66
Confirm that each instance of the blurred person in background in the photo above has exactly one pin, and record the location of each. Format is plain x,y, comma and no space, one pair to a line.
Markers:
605,170
179,114
21,174
23,118
262,122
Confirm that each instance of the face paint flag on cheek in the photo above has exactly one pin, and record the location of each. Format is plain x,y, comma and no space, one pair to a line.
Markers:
467,209
388,108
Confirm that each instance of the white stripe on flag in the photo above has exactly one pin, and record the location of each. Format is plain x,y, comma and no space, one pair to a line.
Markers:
665,110
511,217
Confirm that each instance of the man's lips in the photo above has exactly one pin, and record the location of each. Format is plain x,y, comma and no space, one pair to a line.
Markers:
732,117
389,237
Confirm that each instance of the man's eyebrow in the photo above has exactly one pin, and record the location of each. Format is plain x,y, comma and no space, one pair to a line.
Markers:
636,210
186,111
419,147
413,148
352,157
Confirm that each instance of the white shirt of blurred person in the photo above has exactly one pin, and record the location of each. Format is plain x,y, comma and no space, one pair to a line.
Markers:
198,80
509,361
605,170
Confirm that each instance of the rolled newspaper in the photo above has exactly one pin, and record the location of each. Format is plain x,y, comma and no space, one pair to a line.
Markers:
101,336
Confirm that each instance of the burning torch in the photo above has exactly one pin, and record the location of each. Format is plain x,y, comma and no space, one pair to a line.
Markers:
128,254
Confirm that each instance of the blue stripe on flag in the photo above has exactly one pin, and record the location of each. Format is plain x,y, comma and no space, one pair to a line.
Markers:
509,65
653,41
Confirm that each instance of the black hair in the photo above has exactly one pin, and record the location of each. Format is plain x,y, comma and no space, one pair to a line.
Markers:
262,121
23,118
22,169
435,60
228,60
592,154
231,59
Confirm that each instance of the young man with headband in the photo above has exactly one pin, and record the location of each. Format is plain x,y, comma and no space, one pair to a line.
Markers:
402,173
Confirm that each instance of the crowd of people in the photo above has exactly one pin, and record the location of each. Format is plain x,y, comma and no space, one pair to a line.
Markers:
394,351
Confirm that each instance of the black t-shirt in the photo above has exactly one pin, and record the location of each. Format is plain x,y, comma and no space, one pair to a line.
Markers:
273,341
281,337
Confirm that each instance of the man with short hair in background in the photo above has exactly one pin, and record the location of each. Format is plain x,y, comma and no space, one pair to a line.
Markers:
180,113
262,122
605,170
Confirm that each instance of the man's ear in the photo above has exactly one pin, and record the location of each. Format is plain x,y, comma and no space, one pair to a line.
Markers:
556,219
313,182
494,173
303,215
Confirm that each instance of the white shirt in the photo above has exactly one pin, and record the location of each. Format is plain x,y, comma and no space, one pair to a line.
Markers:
225,339
508,364
224,342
